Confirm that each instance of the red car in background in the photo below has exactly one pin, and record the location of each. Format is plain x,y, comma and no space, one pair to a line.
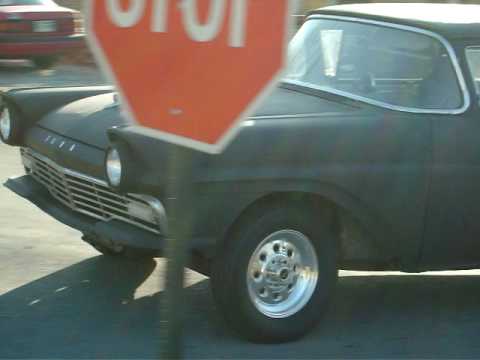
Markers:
39,30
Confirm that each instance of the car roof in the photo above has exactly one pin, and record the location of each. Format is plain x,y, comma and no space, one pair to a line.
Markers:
449,20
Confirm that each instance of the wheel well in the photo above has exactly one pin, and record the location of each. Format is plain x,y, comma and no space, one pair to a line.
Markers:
357,247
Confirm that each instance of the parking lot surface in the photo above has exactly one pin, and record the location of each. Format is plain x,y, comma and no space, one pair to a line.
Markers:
60,299
16,74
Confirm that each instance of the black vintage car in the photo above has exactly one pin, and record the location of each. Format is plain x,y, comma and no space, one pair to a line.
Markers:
367,156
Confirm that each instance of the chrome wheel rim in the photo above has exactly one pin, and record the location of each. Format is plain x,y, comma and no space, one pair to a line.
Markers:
282,273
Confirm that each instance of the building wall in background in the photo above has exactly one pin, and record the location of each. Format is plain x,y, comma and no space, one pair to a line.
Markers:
313,4
306,5
83,56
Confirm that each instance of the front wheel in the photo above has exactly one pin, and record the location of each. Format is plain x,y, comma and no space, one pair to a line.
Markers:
274,277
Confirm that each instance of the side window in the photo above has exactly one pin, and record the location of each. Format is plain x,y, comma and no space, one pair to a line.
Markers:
473,58
393,66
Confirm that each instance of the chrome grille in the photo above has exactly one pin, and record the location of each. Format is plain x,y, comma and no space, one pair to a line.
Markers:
87,195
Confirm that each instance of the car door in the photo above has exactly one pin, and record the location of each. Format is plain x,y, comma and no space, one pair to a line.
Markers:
452,236
452,233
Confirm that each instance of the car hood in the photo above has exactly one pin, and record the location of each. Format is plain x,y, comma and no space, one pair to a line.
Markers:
87,120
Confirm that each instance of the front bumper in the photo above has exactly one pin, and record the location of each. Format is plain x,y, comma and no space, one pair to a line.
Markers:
114,231
31,46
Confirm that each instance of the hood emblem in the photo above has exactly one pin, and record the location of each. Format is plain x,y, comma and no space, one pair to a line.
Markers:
51,140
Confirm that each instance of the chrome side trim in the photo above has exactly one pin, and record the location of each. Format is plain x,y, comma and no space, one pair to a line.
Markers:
290,116
443,41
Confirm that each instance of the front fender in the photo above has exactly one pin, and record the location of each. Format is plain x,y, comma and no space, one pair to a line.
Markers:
243,195
34,103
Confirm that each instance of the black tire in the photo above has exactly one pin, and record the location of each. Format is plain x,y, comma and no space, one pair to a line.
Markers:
44,62
229,275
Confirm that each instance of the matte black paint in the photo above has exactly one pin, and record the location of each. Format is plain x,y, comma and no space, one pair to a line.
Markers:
409,180
371,162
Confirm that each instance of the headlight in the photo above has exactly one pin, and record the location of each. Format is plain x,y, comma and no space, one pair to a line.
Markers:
12,125
113,167
5,124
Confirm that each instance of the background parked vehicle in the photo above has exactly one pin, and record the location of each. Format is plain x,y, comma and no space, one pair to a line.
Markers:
39,30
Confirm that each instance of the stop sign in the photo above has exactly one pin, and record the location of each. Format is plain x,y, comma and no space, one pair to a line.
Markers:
190,70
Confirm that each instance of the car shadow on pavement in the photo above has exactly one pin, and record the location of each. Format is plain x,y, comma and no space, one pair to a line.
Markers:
88,310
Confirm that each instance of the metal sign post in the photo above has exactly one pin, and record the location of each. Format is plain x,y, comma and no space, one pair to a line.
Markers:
180,220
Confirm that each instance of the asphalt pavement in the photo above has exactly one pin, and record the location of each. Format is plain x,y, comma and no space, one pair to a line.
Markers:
60,299
19,73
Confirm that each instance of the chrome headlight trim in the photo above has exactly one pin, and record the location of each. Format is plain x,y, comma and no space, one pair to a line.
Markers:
113,167
6,125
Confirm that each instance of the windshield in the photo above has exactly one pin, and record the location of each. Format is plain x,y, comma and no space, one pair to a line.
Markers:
383,65
473,58
24,2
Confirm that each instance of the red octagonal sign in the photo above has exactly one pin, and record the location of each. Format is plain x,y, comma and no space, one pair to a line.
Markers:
190,70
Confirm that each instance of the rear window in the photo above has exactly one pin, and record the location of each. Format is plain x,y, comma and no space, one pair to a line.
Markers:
380,64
